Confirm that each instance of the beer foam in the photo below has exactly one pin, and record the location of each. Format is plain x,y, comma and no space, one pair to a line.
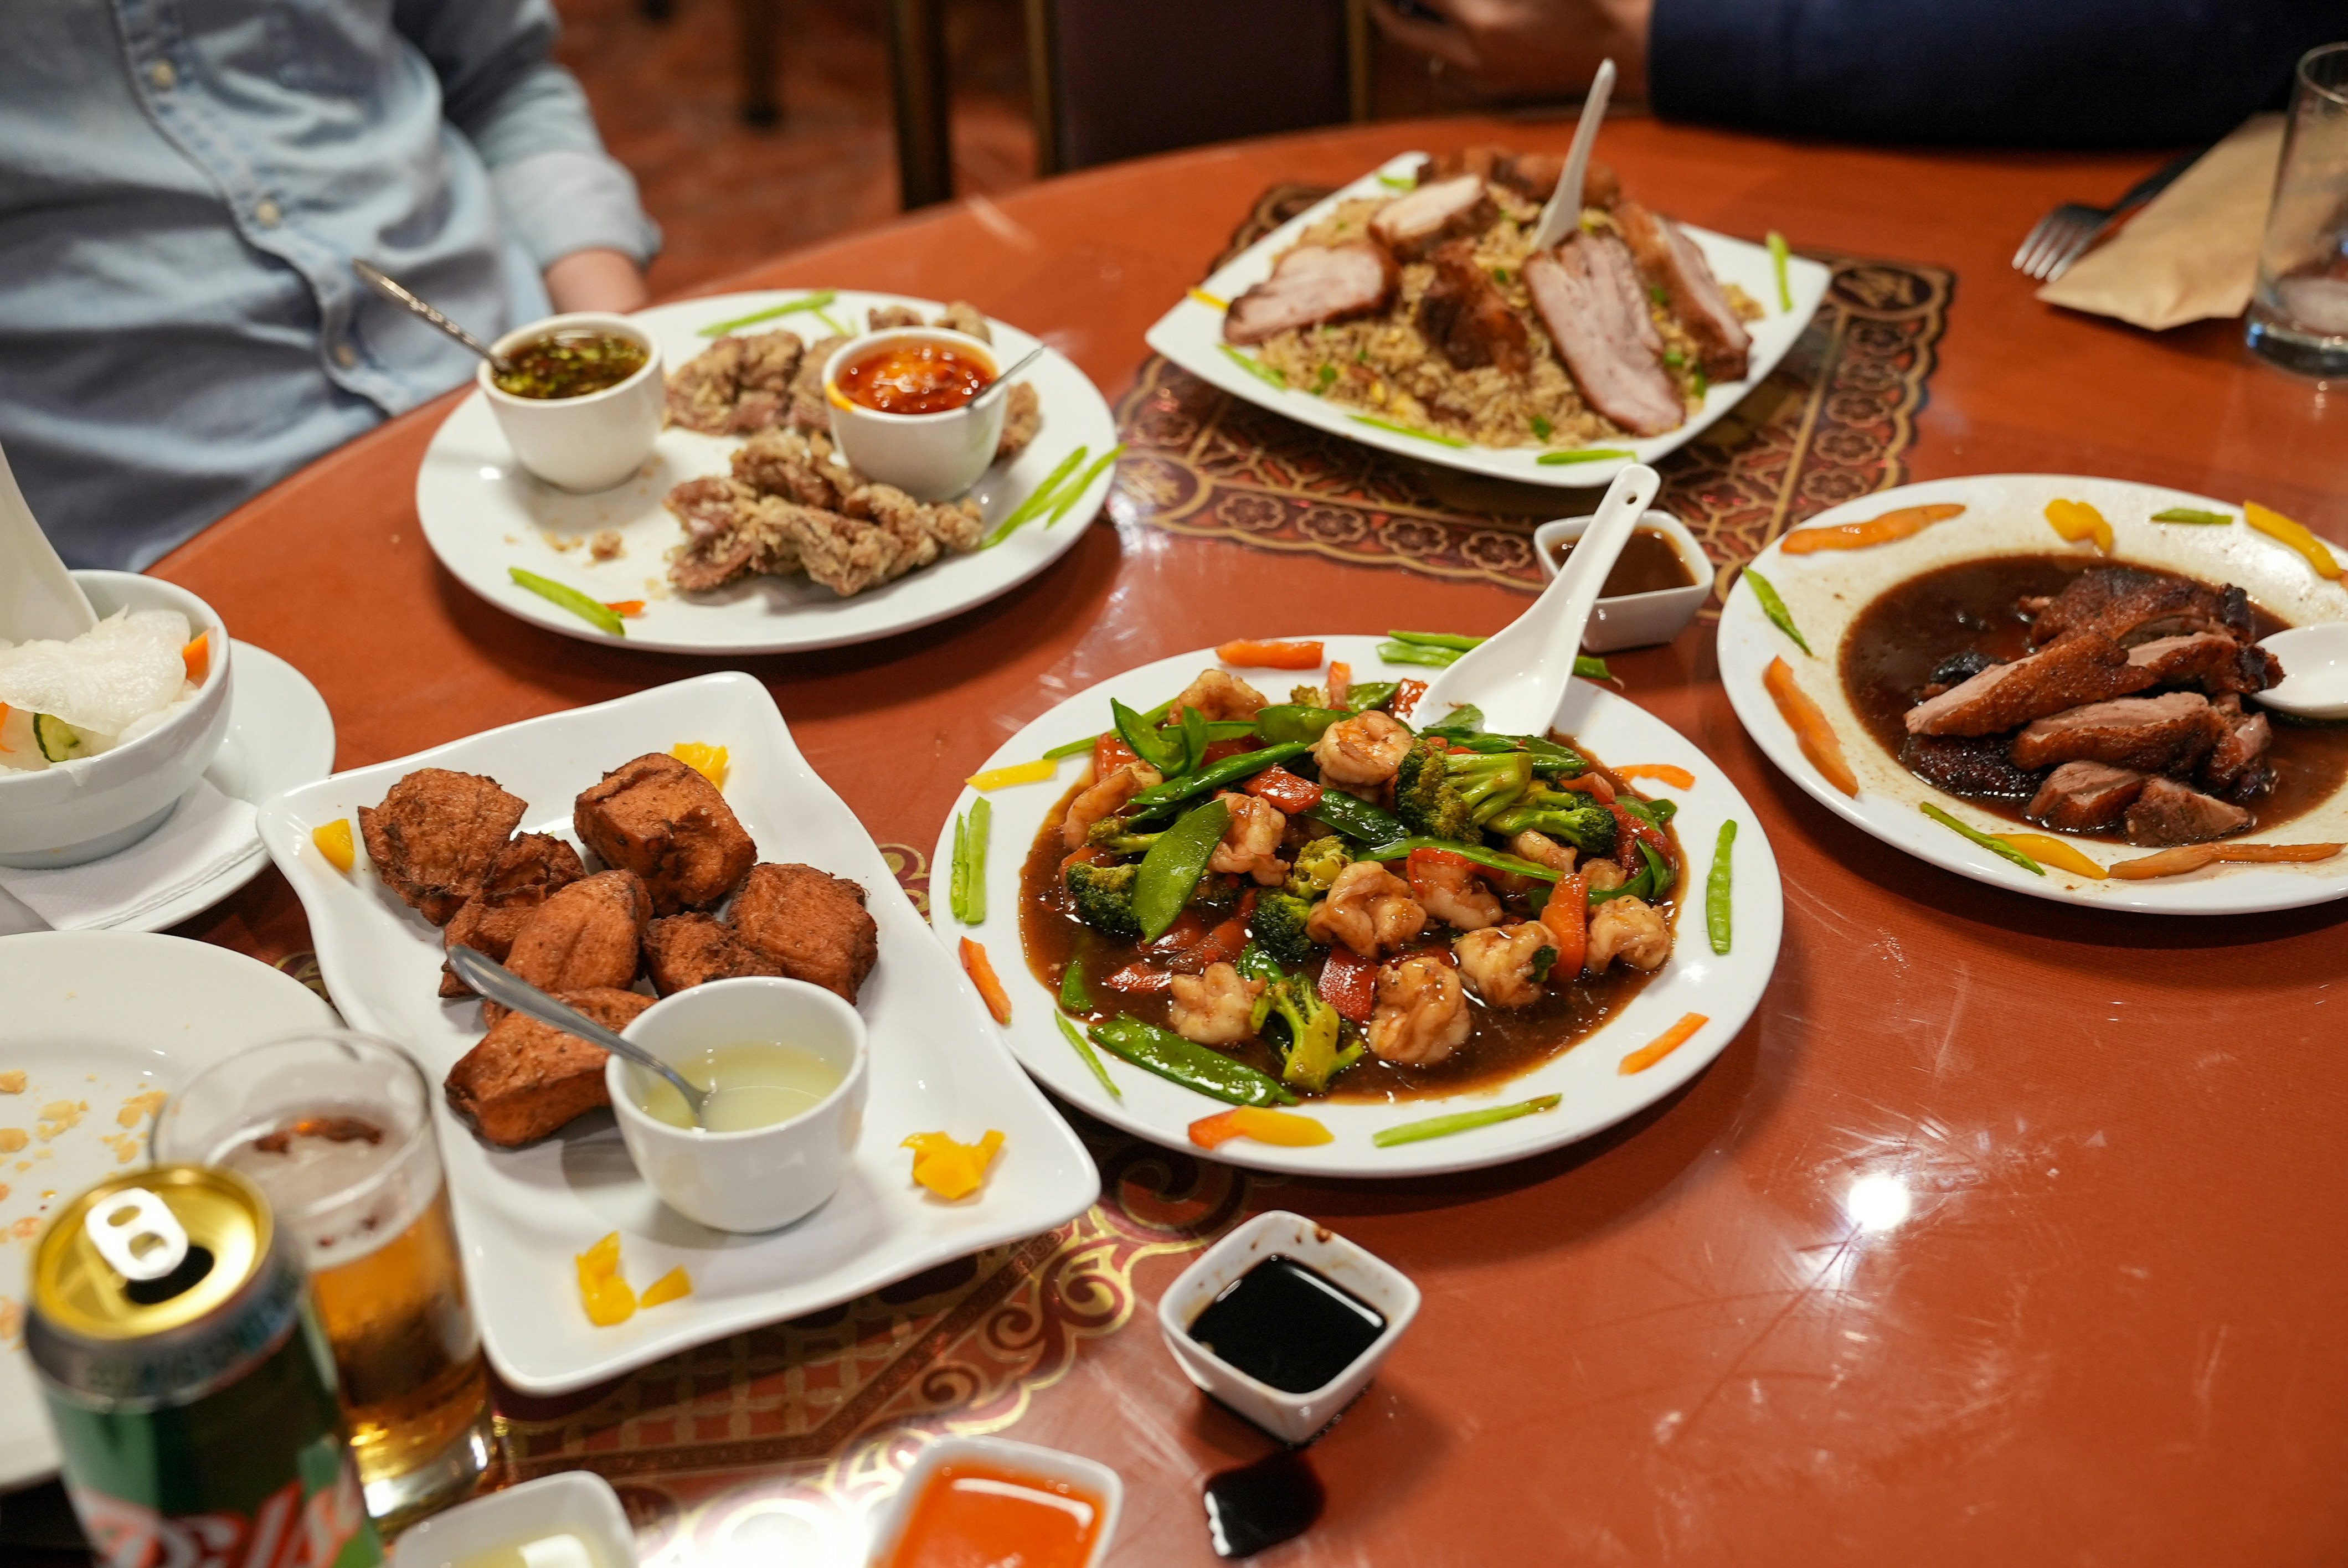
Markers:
334,1185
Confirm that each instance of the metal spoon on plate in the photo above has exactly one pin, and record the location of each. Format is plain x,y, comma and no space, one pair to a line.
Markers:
1518,677
505,987
2315,683
1564,208
400,293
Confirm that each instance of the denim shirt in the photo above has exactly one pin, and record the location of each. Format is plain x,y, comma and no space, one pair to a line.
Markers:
183,184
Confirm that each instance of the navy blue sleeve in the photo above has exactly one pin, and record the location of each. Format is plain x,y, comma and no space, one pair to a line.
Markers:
2013,72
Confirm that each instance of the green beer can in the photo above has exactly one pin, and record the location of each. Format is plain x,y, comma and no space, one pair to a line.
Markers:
192,1393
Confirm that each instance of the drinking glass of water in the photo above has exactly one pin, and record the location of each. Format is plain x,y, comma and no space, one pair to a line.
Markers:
2299,317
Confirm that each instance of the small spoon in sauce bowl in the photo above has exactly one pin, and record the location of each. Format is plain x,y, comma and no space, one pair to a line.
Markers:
1004,380
504,987
399,293
2315,683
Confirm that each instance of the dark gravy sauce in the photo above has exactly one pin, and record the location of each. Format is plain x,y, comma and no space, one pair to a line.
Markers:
1649,563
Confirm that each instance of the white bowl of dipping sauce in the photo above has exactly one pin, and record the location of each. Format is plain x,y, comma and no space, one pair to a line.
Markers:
87,807
901,409
571,1519
584,441
791,1066
1658,583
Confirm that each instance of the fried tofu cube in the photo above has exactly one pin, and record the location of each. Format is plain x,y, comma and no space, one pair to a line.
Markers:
587,936
526,1078
684,951
812,923
529,871
665,822
436,835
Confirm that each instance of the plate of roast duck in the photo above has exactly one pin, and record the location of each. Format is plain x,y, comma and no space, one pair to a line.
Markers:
612,856
2056,684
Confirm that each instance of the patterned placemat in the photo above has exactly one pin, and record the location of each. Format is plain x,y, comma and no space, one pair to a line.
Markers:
1831,423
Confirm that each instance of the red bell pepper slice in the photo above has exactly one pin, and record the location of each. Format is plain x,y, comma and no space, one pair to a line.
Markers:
1567,917
1291,793
1109,753
1139,977
1349,983
1406,698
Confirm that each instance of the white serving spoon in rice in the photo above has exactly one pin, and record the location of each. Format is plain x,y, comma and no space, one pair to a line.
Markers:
37,599
1518,676
1564,208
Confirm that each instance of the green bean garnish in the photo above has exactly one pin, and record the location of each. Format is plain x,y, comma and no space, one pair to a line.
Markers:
1458,642
1584,455
2193,515
958,877
1074,995
1037,500
1997,846
966,896
1779,253
815,301
1075,492
1399,181
1775,609
1716,921
1256,367
1444,648
1461,1121
593,612
1092,1059
1411,430
1071,749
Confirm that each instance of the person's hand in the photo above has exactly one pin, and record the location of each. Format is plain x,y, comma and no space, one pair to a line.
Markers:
607,280
1526,49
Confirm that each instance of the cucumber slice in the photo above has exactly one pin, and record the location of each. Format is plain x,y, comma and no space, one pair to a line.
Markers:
57,739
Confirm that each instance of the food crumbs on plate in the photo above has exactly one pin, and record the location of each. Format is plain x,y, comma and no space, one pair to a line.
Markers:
605,546
2273,524
12,1139
136,1106
1662,773
12,1082
196,656
1662,1045
952,1170
2076,520
669,1287
124,1144
709,761
334,842
975,964
1809,721
1042,768
605,1295
60,1116
1285,1128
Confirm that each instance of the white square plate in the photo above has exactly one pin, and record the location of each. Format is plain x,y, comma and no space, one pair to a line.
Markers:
1191,336
938,1063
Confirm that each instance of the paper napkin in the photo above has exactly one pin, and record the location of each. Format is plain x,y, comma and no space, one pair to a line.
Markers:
208,835
2192,253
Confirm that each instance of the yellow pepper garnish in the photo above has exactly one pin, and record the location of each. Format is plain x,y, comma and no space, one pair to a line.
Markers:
2267,520
1036,772
2053,851
2076,520
1211,302
1285,1128
949,1169
602,1291
709,761
669,1287
334,842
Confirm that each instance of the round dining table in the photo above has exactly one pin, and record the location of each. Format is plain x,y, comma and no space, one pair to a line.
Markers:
2004,1231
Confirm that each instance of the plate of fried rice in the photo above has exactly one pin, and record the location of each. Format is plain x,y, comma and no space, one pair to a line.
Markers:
1410,311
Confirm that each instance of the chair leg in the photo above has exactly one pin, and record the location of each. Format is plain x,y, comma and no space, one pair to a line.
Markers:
917,65
760,28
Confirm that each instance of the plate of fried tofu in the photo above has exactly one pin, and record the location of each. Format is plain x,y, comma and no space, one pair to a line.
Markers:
610,854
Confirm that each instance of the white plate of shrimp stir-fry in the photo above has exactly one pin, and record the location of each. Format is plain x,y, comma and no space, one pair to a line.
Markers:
1252,900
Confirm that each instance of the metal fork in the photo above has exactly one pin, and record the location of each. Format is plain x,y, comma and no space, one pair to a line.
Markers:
2068,232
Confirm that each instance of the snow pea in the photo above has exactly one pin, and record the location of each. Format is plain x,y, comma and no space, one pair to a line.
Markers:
1191,1065
1163,752
1288,721
1357,819
1230,770
1170,870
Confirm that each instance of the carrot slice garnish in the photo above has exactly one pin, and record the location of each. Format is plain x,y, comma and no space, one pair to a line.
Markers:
2269,854
1882,530
1664,1044
1662,773
2193,856
1819,741
196,656
982,975
1259,655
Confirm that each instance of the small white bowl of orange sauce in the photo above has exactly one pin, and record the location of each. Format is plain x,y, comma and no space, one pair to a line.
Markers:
905,409
990,1500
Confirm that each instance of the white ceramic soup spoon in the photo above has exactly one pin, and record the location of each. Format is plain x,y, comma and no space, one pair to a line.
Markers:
37,599
2315,683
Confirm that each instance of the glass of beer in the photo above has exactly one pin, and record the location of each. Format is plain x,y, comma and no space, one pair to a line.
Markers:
336,1128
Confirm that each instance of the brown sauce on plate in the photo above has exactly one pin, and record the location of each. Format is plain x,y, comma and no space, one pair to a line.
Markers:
569,364
1888,653
1650,563
916,375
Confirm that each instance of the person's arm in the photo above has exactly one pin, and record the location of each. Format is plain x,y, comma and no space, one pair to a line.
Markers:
569,203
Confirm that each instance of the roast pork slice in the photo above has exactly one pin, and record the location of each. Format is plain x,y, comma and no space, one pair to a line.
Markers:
1466,318
1973,766
2169,734
2083,669
1532,175
1312,285
1670,261
2130,605
1411,226
2084,797
2167,812
1589,297
2238,769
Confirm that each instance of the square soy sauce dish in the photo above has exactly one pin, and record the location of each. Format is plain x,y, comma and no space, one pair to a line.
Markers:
1658,583
1285,1322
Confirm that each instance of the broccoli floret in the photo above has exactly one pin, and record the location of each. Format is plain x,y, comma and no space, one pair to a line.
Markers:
1566,815
1443,793
1314,1050
1104,895
1278,924
1316,866
1117,834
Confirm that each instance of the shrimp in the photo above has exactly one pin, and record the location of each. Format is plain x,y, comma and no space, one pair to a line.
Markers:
1250,845
1216,1007
1368,907
1422,1012
1446,887
1605,876
1218,695
1103,799
1628,929
1542,850
1500,962
1362,751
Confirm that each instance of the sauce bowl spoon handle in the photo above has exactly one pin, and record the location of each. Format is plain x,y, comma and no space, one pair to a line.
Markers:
505,987
1000,382
399,293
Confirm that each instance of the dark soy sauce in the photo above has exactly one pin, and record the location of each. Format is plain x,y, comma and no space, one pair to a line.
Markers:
1649,562
1288,1326
1276,1499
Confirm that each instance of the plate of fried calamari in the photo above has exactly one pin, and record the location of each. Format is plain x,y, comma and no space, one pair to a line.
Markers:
608,856
1293,919
746,531
2053,683
1410,312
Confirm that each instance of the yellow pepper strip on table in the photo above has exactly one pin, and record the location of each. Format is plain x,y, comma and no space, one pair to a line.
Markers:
1882,530
709,761
1285,1128
952,1170
1036,772
2269,521
1662,1045
334,842
2053,851
2076,520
